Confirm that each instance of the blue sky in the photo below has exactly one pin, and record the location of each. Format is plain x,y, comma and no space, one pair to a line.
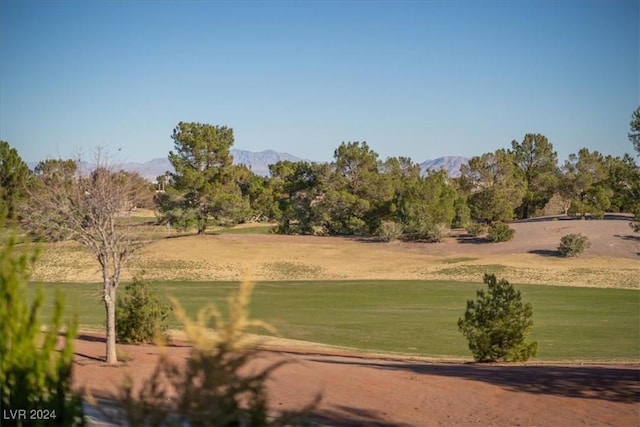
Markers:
421,79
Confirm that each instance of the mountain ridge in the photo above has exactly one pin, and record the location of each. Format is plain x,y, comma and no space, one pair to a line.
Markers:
259,163
451,164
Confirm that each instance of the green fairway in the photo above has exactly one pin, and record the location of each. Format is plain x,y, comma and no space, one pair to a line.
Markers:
409,317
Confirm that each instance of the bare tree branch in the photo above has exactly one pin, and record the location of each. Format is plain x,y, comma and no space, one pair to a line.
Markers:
93,210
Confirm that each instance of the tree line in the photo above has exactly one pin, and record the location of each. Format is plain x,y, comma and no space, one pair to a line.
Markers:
357,192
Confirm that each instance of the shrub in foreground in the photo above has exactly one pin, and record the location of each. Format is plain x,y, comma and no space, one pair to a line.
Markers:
500,232
573,244
213,387
141,316
35,376
498,323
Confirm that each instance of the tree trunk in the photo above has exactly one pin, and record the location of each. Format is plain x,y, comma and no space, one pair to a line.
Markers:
110,306
202,226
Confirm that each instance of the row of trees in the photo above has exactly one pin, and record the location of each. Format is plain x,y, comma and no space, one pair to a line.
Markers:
521,182
357,192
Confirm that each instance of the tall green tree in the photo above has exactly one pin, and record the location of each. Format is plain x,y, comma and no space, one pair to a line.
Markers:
259,192
623,179
428,202
634,137
205,182
400,177
356,197
495,187
585,183
298,189
13,178
634,134
537,166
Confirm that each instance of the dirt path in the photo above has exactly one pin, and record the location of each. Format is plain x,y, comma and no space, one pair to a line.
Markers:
362,391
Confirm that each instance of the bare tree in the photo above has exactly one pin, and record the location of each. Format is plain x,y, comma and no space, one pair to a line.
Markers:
92,209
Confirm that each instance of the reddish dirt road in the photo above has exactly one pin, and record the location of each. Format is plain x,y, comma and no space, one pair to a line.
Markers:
362,391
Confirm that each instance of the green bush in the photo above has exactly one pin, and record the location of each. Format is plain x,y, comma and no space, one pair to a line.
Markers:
498,323
500,232
34,374
140,314
573,244
476,229
390,231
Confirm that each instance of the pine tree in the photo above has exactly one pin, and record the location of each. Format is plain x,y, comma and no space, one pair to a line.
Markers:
498,323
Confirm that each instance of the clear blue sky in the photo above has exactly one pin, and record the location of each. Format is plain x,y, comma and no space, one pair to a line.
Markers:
421,79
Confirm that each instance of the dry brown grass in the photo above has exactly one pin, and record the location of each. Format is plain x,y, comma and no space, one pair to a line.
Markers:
612,261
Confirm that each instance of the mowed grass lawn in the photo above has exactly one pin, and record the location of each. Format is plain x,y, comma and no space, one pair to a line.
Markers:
408,317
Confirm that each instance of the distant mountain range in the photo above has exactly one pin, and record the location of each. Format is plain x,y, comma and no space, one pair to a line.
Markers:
259,163
449,163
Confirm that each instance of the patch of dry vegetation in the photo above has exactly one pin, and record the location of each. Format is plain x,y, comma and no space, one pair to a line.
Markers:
531,257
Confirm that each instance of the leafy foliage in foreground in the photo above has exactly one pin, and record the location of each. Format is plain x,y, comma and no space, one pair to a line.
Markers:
213,387
34,375
498,323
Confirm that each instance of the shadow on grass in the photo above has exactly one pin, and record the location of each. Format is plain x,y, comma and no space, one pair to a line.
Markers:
584,382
